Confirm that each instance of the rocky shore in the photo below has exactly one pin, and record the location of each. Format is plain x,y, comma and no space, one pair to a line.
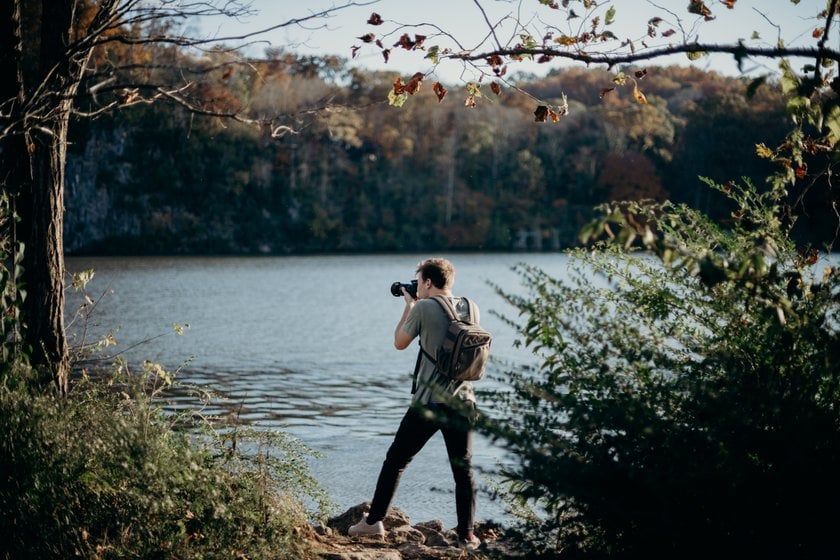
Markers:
403,541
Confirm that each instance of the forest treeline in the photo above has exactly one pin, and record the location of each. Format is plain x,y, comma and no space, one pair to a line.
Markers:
344,172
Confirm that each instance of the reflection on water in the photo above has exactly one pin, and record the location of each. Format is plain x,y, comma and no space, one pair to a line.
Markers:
304,344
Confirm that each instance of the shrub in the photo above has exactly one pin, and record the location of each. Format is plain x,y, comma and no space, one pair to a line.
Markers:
103,474
688,399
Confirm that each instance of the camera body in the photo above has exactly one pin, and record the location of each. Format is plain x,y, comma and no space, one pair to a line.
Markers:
410,287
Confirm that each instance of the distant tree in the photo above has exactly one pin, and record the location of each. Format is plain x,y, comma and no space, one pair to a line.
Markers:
581,31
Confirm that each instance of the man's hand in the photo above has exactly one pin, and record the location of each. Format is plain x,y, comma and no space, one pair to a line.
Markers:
401,338
407,296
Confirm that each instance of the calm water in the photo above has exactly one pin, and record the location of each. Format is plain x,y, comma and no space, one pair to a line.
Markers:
305,344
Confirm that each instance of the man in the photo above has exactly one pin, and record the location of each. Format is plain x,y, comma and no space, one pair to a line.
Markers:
438,403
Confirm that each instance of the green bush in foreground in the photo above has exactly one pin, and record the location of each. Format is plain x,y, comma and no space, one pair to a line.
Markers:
102,474
688,400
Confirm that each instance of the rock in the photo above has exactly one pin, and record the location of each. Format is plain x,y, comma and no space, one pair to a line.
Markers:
320,529
363,555
340,523
425,541
417,551
433,532
405,534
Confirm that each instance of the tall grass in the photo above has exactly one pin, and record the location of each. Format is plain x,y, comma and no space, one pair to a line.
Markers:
103,474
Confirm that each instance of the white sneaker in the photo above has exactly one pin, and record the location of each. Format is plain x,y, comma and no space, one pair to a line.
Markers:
470,543
363,529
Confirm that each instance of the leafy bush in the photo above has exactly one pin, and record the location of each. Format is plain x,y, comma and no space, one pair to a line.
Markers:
688,399
13,361
103,474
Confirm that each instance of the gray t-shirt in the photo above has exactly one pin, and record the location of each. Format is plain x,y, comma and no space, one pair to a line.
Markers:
428,320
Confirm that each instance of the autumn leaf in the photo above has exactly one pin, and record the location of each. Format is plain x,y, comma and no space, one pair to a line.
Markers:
398,86
729,3
801,172
386,54
640,97
641,73
405,42
818,32
752,88
565,40
375,19
763,151
439,90
367,38
541,113
470,102
605,91
414,82
699,7
668,33
495,88
354,50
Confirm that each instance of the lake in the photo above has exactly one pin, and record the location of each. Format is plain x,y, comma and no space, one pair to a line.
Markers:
305,344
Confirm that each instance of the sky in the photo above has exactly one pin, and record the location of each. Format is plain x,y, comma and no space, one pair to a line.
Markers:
770,20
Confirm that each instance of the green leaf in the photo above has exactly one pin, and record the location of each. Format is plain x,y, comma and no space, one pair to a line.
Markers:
395,100
610,17
433,54
789,81
832,121
473,89
81,279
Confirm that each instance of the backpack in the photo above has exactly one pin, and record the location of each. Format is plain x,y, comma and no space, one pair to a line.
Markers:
466,347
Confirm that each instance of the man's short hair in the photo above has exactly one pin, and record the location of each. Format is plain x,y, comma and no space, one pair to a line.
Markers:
440,271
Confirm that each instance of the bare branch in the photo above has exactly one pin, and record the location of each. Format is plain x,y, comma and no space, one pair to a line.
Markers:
610,59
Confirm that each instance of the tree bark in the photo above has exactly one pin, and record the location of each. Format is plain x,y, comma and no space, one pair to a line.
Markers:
40,75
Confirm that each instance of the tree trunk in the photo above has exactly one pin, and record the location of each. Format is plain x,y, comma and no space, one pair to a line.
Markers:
40,76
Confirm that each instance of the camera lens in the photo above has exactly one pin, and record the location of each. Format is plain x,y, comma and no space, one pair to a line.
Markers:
395,289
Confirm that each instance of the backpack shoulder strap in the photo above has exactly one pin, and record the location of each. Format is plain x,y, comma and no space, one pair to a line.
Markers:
470,310
447,306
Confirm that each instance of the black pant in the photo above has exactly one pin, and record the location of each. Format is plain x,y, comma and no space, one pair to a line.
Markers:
417,426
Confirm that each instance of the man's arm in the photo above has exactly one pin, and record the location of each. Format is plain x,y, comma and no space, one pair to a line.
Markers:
401,338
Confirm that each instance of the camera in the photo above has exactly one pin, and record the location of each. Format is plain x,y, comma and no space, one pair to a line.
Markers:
411,288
